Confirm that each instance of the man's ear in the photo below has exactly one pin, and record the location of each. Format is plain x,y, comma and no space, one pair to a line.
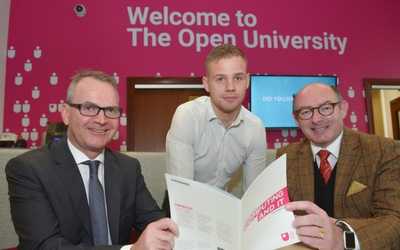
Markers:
205,83
65,113
344,106
296,118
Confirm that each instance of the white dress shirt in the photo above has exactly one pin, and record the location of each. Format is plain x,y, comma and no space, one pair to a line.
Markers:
85,173
200,148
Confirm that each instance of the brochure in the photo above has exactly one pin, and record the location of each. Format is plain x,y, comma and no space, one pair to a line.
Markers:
210,218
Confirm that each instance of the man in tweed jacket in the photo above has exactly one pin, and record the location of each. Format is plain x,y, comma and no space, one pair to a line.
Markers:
365,183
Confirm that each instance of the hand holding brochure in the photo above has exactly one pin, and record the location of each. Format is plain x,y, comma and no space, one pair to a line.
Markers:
210,218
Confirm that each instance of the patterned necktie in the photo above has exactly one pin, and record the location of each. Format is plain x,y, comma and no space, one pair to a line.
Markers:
325,167
97,206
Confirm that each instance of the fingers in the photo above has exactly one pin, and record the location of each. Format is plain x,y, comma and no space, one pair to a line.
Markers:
307,206
315,228
167,224
158,235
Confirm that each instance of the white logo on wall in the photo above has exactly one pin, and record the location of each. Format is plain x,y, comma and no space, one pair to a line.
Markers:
24,106
11,52
122,119
34,135
52,107
43,120
25,121
35,93
60,105
17,107
123,146
28,65
37,53
351,92
53,79
116,77
18,79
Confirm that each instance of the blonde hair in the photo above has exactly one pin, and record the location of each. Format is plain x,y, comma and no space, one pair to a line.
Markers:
224,51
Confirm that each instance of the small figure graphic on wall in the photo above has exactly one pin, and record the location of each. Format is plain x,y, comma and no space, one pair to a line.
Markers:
37,53
353,117
11,52
43,120
123,147
26,107
34,135
60,105
116,77
53,79
17,107
277,144
351,92
35,93
25,134
25,121
18,79
28,65
122,119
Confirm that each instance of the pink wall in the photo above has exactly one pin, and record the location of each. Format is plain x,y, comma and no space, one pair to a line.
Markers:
47,36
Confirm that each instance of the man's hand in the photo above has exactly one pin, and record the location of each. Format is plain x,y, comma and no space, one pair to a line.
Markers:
316,228
158,235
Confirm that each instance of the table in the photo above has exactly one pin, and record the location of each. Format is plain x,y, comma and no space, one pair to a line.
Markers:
298,246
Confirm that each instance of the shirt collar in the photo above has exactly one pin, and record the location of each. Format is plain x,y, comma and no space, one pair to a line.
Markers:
333,148
211,114
81,157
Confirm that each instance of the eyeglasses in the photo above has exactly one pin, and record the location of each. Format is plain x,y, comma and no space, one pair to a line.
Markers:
88,109
324,109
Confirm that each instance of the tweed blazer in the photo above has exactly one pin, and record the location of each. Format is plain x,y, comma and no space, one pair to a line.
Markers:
49,207
367,185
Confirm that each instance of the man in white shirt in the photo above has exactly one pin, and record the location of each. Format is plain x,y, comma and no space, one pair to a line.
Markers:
211,137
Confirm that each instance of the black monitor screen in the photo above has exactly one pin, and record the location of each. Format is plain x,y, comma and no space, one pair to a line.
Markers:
271,97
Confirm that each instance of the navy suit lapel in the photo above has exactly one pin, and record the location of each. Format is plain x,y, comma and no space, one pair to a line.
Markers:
113,195
69,174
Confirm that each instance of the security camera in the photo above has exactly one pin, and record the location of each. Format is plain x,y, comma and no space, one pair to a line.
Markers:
80,10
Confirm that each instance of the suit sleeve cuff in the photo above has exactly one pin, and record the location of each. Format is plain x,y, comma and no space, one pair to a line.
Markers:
356,238
126,247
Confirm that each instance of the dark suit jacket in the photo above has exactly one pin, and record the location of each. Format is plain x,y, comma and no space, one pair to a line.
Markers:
49,206
367,185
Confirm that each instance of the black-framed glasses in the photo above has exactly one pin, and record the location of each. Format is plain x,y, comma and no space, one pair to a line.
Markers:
89,109
324,109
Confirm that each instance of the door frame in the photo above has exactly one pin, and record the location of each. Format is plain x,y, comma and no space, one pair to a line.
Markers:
134,83
376,83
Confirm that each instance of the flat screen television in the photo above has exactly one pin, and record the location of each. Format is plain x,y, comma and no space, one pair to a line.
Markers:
271,97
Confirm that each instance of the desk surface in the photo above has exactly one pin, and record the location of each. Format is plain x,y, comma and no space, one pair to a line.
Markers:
298,246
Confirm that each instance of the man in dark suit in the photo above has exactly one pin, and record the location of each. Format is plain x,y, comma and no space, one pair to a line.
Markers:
358,205
49,188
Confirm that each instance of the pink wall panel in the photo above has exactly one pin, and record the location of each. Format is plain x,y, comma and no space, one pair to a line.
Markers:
48,43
